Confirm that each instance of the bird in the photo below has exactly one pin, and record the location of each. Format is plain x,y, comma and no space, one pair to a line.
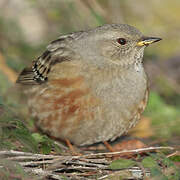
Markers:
89,86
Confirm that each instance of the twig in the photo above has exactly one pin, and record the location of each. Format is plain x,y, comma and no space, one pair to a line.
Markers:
176,153
20,153
128,151
43,173
76,167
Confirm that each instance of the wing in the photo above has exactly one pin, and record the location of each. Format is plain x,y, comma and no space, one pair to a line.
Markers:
56,52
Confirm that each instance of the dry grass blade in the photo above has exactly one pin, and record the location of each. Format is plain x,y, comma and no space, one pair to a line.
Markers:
141,150
76,167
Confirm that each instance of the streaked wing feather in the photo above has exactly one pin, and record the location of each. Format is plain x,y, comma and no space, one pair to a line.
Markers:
56,52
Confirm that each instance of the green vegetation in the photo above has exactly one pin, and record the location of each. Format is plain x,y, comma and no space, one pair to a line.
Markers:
164,117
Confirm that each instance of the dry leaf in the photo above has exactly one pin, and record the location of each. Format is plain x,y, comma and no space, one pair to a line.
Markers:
12,75
143,128
129,145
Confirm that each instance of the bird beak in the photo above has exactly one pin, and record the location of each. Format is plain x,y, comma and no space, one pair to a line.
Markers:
145,41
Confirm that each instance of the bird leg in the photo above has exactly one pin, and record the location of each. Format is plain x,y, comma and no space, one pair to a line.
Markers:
108,146
70,146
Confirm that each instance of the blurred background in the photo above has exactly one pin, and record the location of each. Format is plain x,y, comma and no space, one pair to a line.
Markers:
27,26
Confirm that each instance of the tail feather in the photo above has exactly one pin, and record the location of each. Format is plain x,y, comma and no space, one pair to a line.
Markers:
27,76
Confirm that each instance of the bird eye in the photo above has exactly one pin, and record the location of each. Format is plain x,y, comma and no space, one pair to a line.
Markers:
121,41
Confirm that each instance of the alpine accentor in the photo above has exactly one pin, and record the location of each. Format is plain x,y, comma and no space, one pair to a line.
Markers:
89,86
